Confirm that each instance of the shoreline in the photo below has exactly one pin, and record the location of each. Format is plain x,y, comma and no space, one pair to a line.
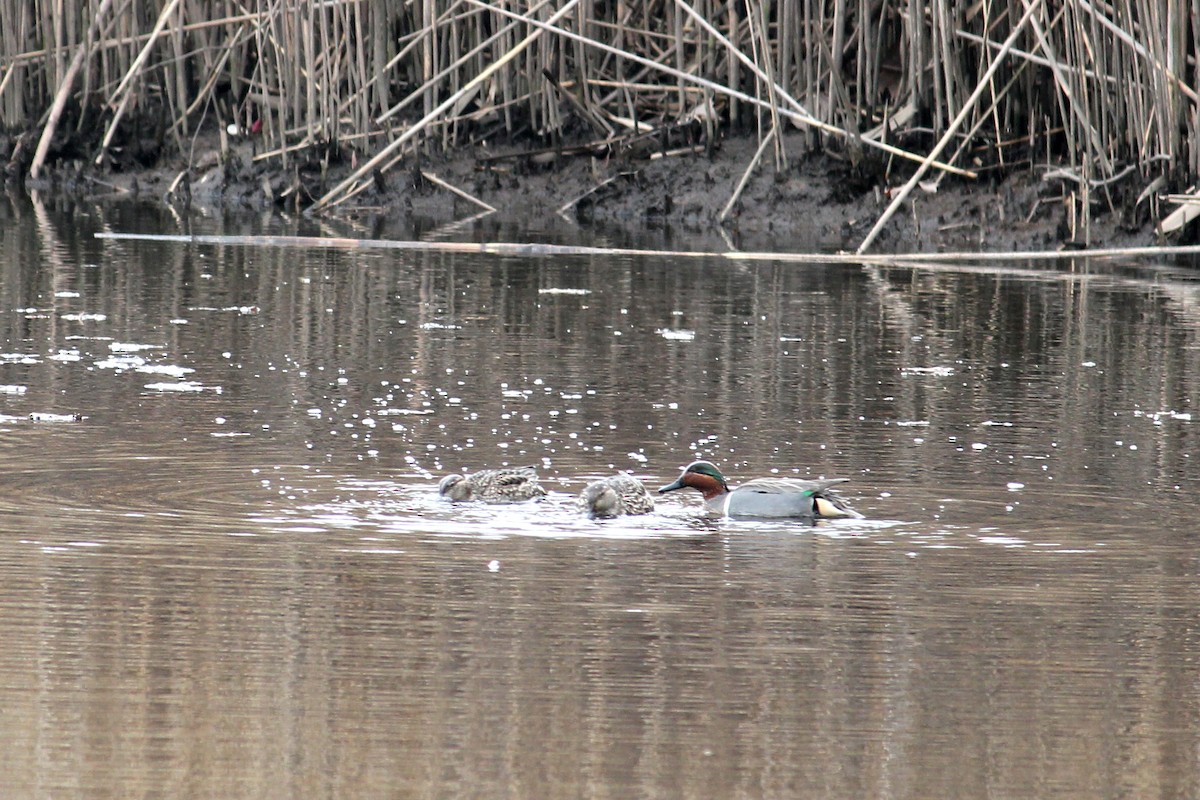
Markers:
815,204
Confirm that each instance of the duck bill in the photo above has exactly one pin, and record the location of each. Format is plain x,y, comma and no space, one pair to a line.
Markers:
670,487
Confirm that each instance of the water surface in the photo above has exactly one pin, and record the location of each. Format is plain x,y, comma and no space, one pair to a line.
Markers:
225,571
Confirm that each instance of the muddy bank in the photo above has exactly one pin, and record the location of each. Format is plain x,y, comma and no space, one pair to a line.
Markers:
817,202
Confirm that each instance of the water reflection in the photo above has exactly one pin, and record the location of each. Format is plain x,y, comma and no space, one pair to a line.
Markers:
226,570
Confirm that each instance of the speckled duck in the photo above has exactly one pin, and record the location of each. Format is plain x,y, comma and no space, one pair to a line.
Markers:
614,496
509,485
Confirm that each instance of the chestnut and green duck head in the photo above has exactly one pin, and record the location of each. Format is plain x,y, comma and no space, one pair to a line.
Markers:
615,495
763,497
509,485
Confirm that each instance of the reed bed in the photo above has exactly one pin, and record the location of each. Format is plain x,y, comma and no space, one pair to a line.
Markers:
1101,93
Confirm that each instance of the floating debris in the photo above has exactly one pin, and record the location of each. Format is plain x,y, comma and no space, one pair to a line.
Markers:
121,363
13,389
565,291
130,347
85,317
172,370
676,335
244,310
940,372
38,416
181,386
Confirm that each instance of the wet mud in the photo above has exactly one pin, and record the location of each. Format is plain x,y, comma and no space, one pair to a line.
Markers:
810,197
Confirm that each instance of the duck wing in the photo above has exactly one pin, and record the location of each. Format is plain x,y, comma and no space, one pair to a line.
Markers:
507,485
789,485
515,475
633,494
788,497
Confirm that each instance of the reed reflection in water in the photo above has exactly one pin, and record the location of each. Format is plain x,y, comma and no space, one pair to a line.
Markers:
233,577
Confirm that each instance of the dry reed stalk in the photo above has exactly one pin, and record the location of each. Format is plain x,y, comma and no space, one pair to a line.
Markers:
737,192
436,181
770,85
12,70
567,206
981,120
456,64
304,144
1174,27
1106,84
64,90
272,74
368,92
340,191
215,73
1030,8
798,116
178,89
1032,58
1067,94
12,103
305,41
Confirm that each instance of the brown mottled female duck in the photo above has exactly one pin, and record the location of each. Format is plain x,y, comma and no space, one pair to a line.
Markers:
508,485
616,495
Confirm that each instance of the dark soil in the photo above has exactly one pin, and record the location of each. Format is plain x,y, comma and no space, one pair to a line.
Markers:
819,202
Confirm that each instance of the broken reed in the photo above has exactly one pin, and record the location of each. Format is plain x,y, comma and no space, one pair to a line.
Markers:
1101,86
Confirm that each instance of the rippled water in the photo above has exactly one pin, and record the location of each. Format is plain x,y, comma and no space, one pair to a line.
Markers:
225,570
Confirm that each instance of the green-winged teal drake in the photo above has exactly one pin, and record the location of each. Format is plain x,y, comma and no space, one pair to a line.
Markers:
510,485
616,495
763,497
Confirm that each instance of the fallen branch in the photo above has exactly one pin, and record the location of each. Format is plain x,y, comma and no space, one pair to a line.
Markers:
1188,210
960,260
568,205
435,180
690,150
1095,183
